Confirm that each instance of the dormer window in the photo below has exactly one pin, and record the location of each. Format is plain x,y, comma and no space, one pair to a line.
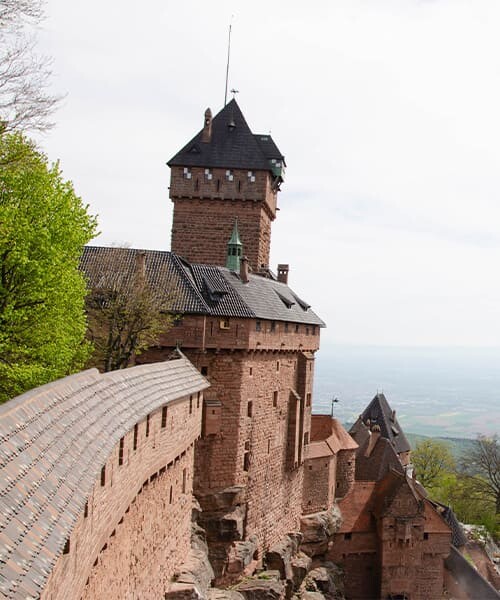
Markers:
208,175
229,175
187,173
251,176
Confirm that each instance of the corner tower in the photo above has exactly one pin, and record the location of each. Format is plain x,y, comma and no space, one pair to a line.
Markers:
225,173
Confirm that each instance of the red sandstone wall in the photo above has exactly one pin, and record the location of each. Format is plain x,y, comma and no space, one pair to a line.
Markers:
319,484
205,210
138,524
346,467
273,491
205,333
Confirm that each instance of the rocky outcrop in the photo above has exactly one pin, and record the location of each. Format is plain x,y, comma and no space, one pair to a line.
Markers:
317,530
193,578
265,586
280,557
325,580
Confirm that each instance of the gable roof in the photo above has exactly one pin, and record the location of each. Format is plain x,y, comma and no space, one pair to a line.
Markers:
53,442
378,412
234,147
381,460
199,289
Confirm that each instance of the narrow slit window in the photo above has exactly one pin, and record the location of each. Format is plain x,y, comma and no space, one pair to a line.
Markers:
120,452
164,415
136,435
103,476
147,425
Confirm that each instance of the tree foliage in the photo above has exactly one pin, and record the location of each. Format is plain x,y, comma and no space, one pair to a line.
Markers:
431,460
25,103
43,227
481,466
126,313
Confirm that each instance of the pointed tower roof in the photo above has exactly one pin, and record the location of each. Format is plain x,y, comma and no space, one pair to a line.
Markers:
234,249
378,412
230,145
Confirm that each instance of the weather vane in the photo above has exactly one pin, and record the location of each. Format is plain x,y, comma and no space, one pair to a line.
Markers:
234,92
228,57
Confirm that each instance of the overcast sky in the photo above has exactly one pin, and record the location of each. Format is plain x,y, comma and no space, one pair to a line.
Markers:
387,113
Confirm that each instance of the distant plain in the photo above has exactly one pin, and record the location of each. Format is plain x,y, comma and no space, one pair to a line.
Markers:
445,392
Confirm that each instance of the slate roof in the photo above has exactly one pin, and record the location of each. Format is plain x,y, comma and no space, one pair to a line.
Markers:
229,147
458,537
382,459
378,412
54,441
199,289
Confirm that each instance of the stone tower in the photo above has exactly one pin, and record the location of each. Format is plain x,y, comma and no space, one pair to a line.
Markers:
225,173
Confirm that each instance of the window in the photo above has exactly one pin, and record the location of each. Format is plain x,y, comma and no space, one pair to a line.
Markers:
251,371
218,185
136,435
147,426
314,330
204,371
183,481
198,400
229,175
120,452
171,496
426,536
277,365
187,173
273,326
347,536
268,446
208,175
66,547
251,176
86,510
286,327
224,324
164,414
249,408
190,405
275,399
297,328
103,476
246,461
308,400
258,326
307,330
306,438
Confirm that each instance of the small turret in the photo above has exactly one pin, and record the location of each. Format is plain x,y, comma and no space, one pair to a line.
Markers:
234,249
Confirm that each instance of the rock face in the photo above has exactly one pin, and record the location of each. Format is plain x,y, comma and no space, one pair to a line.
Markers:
325,580
266,586
317,530
279,557
194,576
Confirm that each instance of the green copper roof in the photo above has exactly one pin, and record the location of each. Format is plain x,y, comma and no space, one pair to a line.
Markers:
234,249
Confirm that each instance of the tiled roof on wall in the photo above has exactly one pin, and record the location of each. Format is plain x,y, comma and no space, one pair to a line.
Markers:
199,289
53,442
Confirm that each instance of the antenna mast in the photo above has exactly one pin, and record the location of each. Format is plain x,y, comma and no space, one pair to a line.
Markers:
228,55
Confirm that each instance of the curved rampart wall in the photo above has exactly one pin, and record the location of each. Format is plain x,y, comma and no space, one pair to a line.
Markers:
75,522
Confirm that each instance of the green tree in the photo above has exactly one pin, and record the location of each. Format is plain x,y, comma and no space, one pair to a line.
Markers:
126,313
43,227
432,460
481,466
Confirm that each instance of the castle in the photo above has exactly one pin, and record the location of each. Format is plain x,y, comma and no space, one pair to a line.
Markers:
103,472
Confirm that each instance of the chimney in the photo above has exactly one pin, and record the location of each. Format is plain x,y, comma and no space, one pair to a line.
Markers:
140,268
207,127
283,273
244,269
